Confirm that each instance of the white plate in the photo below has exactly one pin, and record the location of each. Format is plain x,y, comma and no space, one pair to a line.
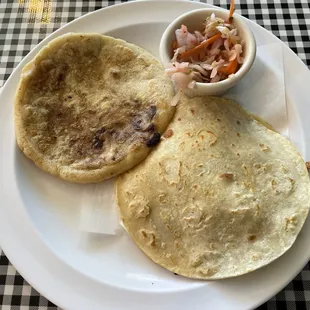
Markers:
39,215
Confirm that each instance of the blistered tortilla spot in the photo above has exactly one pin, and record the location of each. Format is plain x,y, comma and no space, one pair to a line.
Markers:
177,244
139,207
148,237
168,133
176,233
257,166
182,145
252,238
226,176
291,223
201,173
248,186
129,193
207,136
162,198
255,257
170,169
202,262
192,217
197,260
245,169
257,210
208,271
168,226
284,169
284,186
228,245
115,72
236,194
209,193
211,246
264,147
164,216
240,210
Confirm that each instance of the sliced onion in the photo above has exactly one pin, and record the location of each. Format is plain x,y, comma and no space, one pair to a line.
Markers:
227,45
213,73
215,79
181,79
191,84
182,65
233,55
177,97
207,67
199,68
240,59
199,36
209,60
197,76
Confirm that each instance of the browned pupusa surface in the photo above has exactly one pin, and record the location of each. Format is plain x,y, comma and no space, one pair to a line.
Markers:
89,107
220,196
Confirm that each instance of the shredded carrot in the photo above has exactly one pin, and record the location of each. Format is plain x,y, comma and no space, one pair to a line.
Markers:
230,69
231,11
231,8
196,49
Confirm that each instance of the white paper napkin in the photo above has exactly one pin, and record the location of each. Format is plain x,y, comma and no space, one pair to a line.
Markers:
98,213
262,90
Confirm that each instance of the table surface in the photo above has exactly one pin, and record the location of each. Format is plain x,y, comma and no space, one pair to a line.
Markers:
24,23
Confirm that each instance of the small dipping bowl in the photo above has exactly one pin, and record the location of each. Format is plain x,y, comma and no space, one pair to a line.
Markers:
194,20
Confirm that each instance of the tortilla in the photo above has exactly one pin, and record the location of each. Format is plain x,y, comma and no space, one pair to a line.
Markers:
89,107
220,196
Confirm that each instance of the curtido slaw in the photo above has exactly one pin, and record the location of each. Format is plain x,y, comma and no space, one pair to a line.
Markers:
208,56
